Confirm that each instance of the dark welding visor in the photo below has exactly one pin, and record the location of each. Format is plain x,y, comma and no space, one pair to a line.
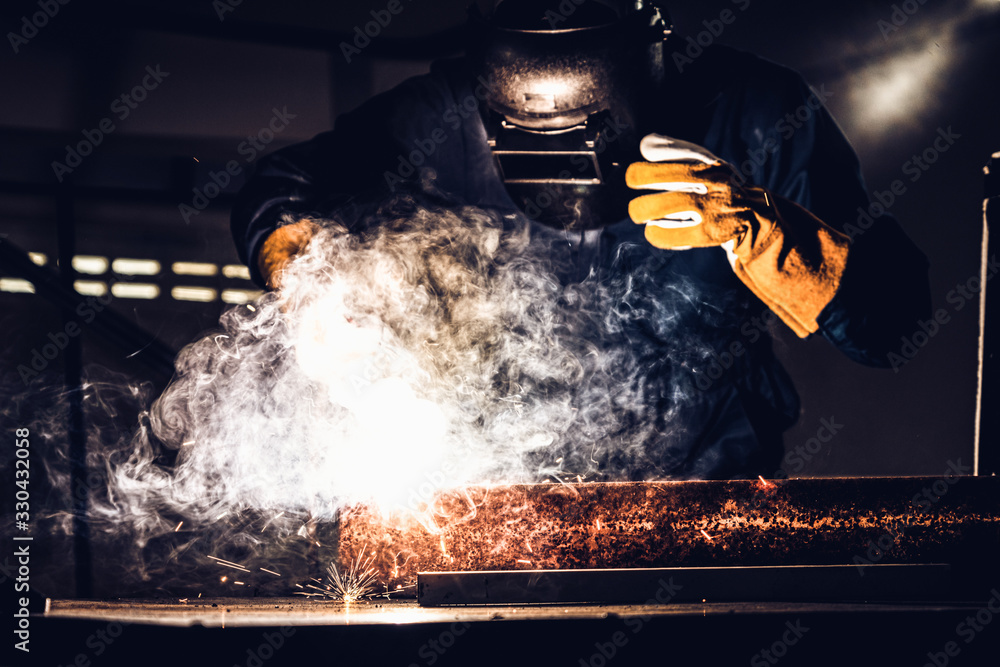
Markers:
564,14
550,65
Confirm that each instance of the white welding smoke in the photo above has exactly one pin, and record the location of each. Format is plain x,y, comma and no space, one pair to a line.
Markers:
439,347
429,348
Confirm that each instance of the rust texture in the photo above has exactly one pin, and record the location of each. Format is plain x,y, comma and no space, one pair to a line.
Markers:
683,524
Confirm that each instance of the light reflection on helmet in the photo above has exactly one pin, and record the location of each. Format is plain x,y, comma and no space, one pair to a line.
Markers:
561,74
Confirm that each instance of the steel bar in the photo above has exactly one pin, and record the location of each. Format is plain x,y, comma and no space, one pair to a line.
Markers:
850,521
651,586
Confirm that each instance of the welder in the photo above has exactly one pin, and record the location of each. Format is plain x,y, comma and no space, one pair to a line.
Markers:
575,114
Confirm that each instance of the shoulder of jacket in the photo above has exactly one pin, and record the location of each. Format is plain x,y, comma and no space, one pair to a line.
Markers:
738,70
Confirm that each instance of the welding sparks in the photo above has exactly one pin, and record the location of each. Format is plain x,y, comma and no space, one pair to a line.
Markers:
356,582
268,522
444,549
226,563
765,486
437,356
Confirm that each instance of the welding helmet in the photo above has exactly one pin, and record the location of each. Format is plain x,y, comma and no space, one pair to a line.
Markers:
564,78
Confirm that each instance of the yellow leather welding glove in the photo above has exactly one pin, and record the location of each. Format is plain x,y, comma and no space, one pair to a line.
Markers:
787,257
280,247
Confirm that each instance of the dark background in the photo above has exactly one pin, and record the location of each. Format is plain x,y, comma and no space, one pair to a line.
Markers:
891,92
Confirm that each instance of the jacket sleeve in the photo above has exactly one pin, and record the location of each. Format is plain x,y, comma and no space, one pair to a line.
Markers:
347,164
884,291
308,179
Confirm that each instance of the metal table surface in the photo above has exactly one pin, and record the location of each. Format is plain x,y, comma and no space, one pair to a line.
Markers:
261,632
268,612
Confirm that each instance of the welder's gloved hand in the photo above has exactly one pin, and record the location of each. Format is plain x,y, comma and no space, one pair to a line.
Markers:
281,246
786,256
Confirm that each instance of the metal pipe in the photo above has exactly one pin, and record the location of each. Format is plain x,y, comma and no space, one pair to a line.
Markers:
679,584
987,447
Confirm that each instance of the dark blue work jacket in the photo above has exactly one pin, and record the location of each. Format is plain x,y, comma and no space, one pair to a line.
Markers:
761,118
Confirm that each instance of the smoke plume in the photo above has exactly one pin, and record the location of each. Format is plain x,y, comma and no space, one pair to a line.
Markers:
413,349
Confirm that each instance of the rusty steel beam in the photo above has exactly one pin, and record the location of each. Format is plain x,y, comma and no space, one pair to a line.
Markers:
849,521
